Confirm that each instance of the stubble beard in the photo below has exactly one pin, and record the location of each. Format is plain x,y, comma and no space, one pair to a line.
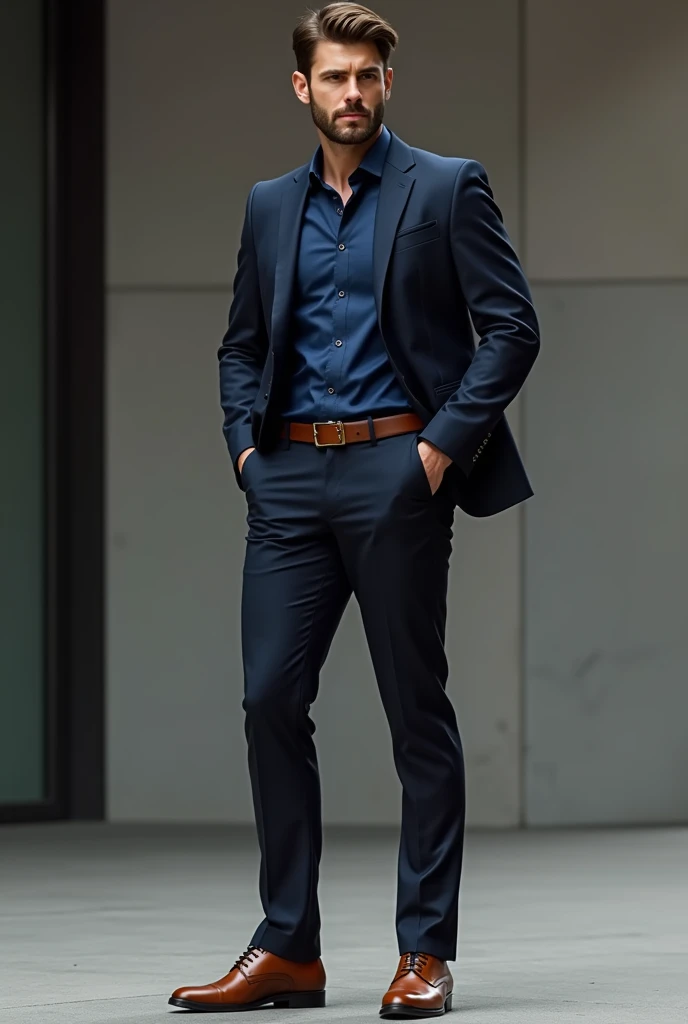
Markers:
348,133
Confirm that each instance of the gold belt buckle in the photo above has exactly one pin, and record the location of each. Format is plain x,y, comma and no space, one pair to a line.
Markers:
328,444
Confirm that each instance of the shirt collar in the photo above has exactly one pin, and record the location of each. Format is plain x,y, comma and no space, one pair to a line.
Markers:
373,162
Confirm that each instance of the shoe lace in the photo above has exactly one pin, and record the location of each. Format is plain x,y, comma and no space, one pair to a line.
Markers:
247,956
414,960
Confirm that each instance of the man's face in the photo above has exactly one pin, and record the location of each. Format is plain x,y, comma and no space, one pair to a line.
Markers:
346,78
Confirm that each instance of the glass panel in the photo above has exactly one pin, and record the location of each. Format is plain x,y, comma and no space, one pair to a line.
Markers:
21,406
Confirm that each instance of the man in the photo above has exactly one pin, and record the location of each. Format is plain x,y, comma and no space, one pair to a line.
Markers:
358,414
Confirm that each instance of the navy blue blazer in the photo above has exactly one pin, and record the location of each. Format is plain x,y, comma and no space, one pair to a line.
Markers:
441,259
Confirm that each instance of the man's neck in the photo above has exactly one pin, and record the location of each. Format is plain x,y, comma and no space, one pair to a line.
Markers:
339,160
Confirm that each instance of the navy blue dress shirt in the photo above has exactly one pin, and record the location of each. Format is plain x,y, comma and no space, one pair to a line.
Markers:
340,366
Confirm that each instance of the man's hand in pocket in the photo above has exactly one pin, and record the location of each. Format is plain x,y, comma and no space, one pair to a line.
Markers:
242,458
435,463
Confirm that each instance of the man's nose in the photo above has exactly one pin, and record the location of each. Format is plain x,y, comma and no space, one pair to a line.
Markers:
353,93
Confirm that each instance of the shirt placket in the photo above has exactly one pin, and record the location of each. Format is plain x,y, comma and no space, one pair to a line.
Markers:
334,367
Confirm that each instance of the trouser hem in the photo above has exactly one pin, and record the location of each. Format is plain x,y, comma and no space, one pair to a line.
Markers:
286,946
421,945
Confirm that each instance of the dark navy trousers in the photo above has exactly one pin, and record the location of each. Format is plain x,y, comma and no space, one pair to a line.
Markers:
323,523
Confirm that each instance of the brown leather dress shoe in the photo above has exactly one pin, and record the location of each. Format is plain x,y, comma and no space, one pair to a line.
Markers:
422,987
258,978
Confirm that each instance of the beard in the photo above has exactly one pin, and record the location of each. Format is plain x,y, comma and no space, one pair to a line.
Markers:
348,133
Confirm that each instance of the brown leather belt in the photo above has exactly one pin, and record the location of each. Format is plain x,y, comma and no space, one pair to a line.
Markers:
334,432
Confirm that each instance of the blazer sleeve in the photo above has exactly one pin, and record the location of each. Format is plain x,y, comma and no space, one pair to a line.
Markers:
244,347
501,308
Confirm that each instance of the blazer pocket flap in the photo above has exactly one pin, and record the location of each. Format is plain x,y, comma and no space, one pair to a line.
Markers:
451,386
416,234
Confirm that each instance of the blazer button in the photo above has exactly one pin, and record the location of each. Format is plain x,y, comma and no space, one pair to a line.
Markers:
265,395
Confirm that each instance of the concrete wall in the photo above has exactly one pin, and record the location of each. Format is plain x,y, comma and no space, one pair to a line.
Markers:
570,669
606,414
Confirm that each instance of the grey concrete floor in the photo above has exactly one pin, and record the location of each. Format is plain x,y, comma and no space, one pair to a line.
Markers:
101,922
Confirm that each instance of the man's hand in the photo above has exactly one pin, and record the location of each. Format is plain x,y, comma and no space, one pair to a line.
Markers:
242,458
435,463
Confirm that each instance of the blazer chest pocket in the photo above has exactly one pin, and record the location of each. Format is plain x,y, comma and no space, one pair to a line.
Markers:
414,235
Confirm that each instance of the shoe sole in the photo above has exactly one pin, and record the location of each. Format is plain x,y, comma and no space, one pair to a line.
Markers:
290,1000
398,1011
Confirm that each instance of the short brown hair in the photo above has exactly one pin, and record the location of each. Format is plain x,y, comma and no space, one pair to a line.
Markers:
340,23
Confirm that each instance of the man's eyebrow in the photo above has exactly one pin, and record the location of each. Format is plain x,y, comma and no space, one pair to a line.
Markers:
342,71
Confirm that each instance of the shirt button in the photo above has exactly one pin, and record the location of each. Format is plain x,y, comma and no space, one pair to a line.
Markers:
341,294
340,212
338,342
341,246
330,391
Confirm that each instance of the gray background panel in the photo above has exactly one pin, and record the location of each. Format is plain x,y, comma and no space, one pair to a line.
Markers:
607,149
607,558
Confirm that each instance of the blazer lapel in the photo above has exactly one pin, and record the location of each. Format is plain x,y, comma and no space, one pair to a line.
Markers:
288,236
395,189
